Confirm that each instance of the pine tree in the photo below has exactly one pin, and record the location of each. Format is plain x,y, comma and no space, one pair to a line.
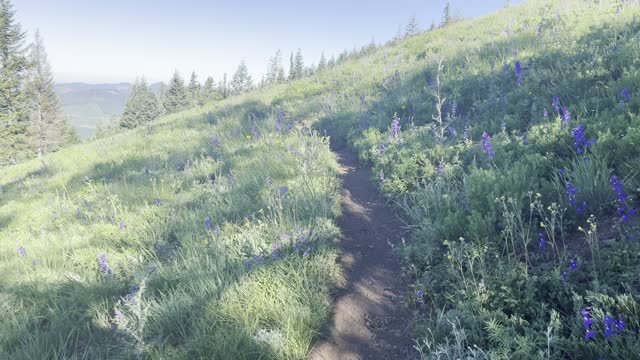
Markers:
141,107
223,88
323,62
298,65
292,68
412,27
275,70
209,91
241,81
162,96
49,132
446,13
194,90
176,99
433,26
14,116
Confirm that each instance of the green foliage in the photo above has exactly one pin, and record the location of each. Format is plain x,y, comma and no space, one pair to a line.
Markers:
177,97
241,81
142,106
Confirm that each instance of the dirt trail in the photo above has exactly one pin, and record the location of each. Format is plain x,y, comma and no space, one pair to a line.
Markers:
369,320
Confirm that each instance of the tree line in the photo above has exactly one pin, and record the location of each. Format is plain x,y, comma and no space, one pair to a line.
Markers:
31,121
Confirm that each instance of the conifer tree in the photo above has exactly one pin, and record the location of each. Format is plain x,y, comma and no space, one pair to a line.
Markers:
412,28
298,65
48,129
14,117
162,96
275,70
292,70
241,81
446,13
141,107
223,88
194,90
209,91
323,62
176,99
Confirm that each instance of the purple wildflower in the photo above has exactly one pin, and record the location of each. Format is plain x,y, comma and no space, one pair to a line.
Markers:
546,113
525,140
121,225
22,252
307,253
626,95
487,146
581,143
620,325
572,191
518,73
208,224
132,292
565,276
119,316
104,267
621,197
610,324
382,149
574,264
395,127
268,182
158,201
542,241
217,230
419,295
590,334
556,104
440,170
566,117
283,191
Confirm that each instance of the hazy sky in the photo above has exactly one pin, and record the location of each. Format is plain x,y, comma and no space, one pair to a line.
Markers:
117,40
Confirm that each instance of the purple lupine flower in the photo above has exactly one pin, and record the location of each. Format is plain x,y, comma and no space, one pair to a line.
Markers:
565,276
440,170
158,201
518,73
395,127
307,253
556,104
22,251
419,295
248,264
283,191
566,117
574,264
132,292
581,143
572,191
587,322
525,140
382,149
208,224
626,95
542,241
582,208
590,334
217,230
623,209
258,260
104,267
620,325
546,113
487,146
609,323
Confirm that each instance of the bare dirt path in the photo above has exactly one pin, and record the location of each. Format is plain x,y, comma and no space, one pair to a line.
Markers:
369,320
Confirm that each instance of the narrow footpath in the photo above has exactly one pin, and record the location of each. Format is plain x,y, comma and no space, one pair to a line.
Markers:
369,320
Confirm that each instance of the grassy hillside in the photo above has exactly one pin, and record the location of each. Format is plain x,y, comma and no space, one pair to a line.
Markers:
525,240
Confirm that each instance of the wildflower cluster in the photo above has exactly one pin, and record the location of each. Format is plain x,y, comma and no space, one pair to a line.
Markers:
626,97
572,192
624,211
394,134
566,117
104,267
581,143
587,321
556,104
573,266
22,252
487,146
518,73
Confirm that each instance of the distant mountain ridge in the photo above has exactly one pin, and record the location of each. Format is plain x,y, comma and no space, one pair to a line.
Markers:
85,105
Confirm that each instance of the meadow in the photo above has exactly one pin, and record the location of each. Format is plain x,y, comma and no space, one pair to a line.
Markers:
509,143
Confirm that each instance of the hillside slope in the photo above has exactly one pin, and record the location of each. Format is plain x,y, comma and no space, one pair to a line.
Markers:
525,237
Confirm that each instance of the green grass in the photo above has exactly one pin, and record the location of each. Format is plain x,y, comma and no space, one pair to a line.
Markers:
200,297
489,290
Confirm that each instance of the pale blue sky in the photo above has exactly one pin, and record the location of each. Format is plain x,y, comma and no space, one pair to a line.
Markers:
117,40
